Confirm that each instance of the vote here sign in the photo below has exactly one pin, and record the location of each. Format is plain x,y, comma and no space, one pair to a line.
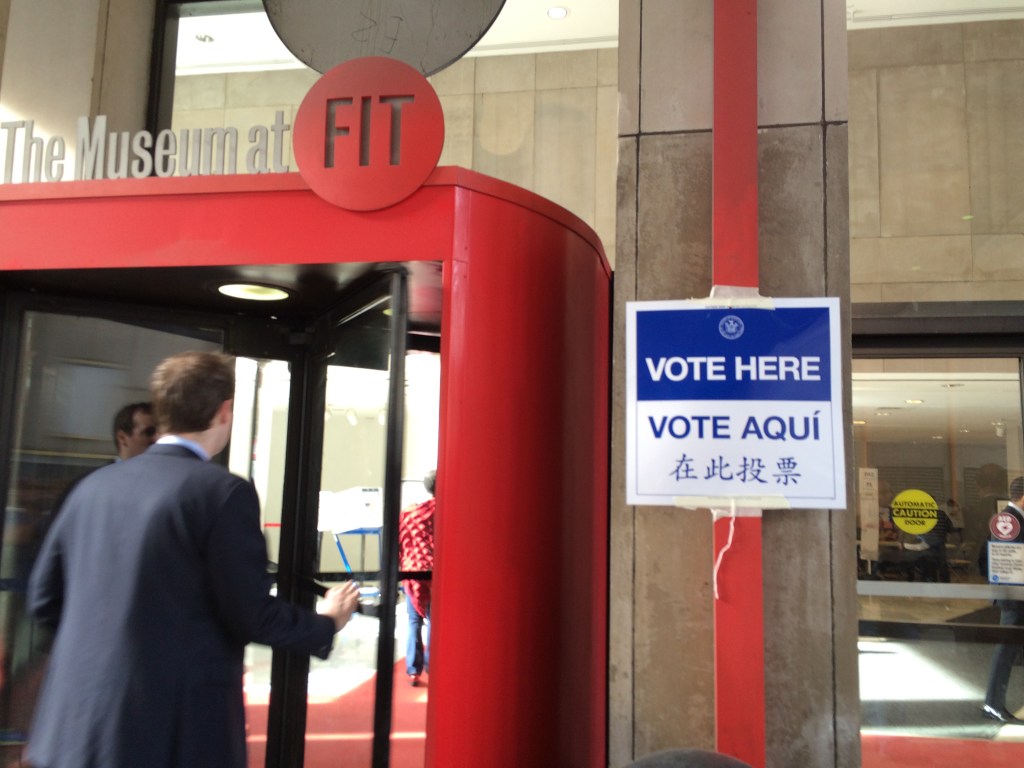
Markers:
738,403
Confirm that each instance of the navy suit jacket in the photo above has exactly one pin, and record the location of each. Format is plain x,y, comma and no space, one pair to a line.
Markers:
155,577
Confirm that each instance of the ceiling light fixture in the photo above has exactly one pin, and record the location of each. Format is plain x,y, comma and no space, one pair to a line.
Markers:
557,12
253,291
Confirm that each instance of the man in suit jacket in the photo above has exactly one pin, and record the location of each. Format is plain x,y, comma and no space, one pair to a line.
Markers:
155,577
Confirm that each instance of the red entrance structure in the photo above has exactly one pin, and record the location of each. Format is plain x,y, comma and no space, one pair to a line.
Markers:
518,668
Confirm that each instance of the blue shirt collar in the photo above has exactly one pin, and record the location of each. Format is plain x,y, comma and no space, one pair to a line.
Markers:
196,448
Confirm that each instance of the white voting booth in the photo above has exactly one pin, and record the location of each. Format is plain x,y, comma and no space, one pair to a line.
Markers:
353,512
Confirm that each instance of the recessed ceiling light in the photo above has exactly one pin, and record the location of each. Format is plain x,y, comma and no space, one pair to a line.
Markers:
253,292
557,12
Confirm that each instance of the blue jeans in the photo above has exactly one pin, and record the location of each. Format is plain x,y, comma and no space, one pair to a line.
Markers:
417,649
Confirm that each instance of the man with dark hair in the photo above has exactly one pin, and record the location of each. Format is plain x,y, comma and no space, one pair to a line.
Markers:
134,430
155,578
1009,527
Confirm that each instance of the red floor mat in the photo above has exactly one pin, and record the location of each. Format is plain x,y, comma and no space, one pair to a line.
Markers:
338,731
878,751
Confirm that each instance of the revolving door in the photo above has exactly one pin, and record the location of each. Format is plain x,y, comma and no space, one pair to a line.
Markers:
319,412
505,308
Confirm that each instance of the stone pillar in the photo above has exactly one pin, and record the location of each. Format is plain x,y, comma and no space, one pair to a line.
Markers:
661,655
64,60
5,12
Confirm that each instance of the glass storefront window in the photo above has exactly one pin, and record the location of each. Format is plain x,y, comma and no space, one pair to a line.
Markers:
937,442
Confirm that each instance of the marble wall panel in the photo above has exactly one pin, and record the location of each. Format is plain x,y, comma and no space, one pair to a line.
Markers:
504,136
837,212
264,89
200,92
5,12
629,67
994,40
565,148
865,294
835,41
605,162
65,36
789,67
506,74
998,257
674,219
608,66
905,46
798,583
456,79
924,292
995,110
673,630
567,69
923,151
865,253
865,216
911,259
458,129
127,35
677,50
791,234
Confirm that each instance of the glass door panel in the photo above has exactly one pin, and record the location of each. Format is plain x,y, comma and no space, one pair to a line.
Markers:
936,443
74,373
349,694
257,451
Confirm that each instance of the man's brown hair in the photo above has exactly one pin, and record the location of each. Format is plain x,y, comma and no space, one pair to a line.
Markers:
188,389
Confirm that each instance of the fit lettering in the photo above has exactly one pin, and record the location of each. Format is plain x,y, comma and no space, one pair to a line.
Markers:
346,106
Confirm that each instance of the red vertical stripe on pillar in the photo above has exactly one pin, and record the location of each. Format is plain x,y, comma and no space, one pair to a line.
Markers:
734,148
739,641
739,604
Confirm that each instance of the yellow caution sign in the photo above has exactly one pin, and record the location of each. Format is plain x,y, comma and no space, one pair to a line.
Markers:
914,512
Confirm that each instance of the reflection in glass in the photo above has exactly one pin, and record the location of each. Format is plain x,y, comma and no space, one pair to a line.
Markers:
949,430
74,373
936,442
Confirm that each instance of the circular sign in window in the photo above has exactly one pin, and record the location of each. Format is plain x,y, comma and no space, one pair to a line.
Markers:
914,512
368,133
1004,526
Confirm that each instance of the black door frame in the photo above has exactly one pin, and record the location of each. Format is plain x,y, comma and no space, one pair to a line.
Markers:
303,345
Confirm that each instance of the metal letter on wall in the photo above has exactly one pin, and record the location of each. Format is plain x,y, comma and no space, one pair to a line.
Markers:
425,35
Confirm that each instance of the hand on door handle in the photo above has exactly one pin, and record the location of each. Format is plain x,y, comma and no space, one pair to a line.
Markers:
369,610
340,603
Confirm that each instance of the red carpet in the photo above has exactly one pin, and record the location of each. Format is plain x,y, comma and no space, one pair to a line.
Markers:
339,730
879,751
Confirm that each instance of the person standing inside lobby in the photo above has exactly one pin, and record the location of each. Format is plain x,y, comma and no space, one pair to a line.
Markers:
416,553
1011,612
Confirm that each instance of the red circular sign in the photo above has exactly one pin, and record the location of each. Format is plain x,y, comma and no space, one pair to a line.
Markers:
1004,527
368,133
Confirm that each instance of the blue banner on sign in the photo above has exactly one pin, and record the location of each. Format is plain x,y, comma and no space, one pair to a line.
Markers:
734,354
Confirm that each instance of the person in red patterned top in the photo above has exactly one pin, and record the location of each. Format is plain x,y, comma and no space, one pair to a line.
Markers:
416,553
